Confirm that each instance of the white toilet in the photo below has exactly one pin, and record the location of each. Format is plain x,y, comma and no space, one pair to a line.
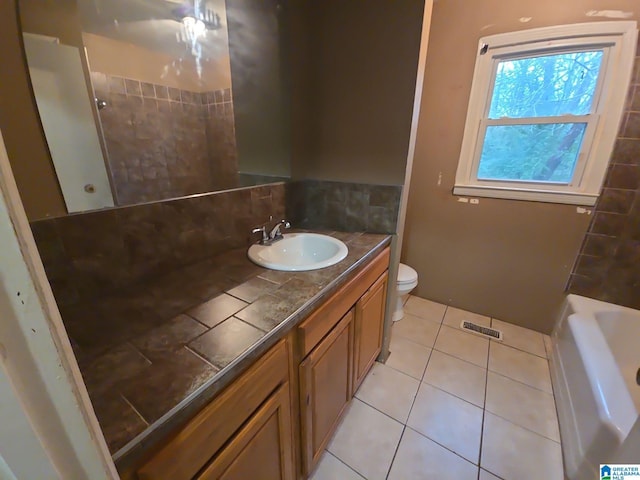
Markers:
407,281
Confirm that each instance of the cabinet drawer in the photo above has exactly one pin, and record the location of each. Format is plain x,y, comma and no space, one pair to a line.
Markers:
320,322
194,446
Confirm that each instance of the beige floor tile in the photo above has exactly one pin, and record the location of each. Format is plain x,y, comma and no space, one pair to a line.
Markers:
465,346
419,458
514,453
521,366
521,338
484,475
460,378
416,329
330,468
366,440
525,406
425,309
407,356
448,420
455,316
547,345
390,391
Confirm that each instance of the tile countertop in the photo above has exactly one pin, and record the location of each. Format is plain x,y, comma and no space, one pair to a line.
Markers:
153,357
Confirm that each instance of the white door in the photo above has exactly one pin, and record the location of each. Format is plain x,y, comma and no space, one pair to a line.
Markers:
65,111
17,438
48,429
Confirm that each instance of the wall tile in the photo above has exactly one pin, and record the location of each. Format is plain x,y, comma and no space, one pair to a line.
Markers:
607,267
592,266
624,176
600,245
626,150
88,255
632,128
150,166
344,206
610,224
116,85
132,87
616,200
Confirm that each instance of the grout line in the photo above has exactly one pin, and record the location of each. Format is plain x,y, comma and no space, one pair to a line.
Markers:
424,372
137,350
519,349
200,322
380,411
523,383
488,471
453,394
462,359
246,323
417,343
432,349
484,411
407,374
202,357
444,446
523,427
393,459
327,452
134,409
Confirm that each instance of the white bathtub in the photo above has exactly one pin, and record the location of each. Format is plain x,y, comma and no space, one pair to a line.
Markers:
596,354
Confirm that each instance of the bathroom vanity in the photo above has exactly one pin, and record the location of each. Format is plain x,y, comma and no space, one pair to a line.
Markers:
271,412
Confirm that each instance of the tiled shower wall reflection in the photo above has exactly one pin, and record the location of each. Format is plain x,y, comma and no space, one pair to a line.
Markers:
164,142
91,255
608,267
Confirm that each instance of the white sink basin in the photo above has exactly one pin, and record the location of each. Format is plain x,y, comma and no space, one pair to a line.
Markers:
298,252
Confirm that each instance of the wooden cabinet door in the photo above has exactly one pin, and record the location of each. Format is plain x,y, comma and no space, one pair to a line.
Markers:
325,389
207,434
369,319
262,449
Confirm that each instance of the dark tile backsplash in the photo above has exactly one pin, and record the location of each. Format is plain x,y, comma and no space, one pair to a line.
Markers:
91,254
163,142
608,266
348,207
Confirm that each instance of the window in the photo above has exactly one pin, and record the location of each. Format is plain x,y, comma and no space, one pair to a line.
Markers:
544,111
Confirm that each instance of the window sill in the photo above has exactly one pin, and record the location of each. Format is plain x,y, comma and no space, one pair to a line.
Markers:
547,196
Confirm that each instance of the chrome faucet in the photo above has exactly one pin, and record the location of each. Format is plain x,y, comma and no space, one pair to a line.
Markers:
274,235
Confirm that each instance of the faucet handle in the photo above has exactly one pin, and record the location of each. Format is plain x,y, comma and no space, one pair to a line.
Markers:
263,230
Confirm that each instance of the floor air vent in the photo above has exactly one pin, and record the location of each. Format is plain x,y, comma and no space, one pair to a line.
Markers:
480,330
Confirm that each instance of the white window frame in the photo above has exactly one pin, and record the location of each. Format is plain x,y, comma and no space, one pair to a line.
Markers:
619,42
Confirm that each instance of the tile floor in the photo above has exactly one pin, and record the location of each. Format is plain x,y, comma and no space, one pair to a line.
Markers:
450,405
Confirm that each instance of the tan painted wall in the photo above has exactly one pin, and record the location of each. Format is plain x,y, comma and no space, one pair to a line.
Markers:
21,128
507,259
131,61
53,18
363,62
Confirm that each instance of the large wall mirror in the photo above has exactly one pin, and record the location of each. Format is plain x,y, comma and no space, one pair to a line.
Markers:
145,100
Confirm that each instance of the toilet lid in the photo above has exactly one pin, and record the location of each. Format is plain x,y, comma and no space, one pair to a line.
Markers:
406,274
